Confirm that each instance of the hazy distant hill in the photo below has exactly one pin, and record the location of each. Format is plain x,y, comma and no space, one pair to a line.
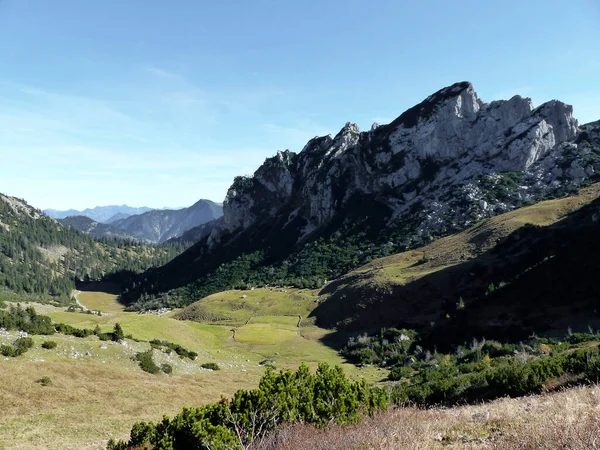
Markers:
117,216
162,225
104,214
90,226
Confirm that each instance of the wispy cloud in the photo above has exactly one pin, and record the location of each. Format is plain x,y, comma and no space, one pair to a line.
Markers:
155,139
163,73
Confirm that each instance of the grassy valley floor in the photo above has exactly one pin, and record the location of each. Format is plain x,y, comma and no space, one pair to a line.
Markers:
98,391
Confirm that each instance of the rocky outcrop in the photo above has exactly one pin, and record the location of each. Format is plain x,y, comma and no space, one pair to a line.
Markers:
19,207
443,163
271,186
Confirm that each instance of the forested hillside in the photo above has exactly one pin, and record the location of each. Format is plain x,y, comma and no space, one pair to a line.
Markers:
40,256
93,228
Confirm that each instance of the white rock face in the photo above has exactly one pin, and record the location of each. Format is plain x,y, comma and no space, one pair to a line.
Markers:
19,207
272,181
427,165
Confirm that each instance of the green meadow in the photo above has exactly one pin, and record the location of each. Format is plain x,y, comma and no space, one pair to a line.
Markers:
97,390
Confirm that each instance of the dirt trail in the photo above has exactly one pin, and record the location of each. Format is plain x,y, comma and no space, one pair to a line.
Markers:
75,295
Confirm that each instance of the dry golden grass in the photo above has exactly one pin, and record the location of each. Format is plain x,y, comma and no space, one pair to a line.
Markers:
564,420
87,403
97,395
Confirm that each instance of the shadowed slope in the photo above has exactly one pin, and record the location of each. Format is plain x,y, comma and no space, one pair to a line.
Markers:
535,279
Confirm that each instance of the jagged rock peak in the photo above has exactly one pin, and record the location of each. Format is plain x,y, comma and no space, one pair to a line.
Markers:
449,139
463,96
349,128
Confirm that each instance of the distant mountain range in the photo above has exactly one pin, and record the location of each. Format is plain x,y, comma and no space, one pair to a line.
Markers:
156,226
102,214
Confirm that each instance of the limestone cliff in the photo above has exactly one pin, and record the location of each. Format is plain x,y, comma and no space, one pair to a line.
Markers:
436,161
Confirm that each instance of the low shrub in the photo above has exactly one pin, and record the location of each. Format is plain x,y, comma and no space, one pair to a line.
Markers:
399,372
19,346
63,328
105,336
449,384
45,381
9,351
17,318
211,366
49,345
167,347
147,363
267,363
23,343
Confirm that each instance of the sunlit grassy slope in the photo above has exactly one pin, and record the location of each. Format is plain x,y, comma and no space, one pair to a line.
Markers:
98,392
238,307
457,248
357,292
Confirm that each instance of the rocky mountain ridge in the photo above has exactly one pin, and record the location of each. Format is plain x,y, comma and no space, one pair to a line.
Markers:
441,166
449,140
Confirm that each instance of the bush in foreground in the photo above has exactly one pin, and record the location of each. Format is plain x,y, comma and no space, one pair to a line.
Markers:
320,399
567,419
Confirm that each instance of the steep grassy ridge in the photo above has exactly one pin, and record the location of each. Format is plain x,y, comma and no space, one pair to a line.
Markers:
417,288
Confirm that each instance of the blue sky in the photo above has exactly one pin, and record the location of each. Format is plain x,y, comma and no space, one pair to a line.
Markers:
158,103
